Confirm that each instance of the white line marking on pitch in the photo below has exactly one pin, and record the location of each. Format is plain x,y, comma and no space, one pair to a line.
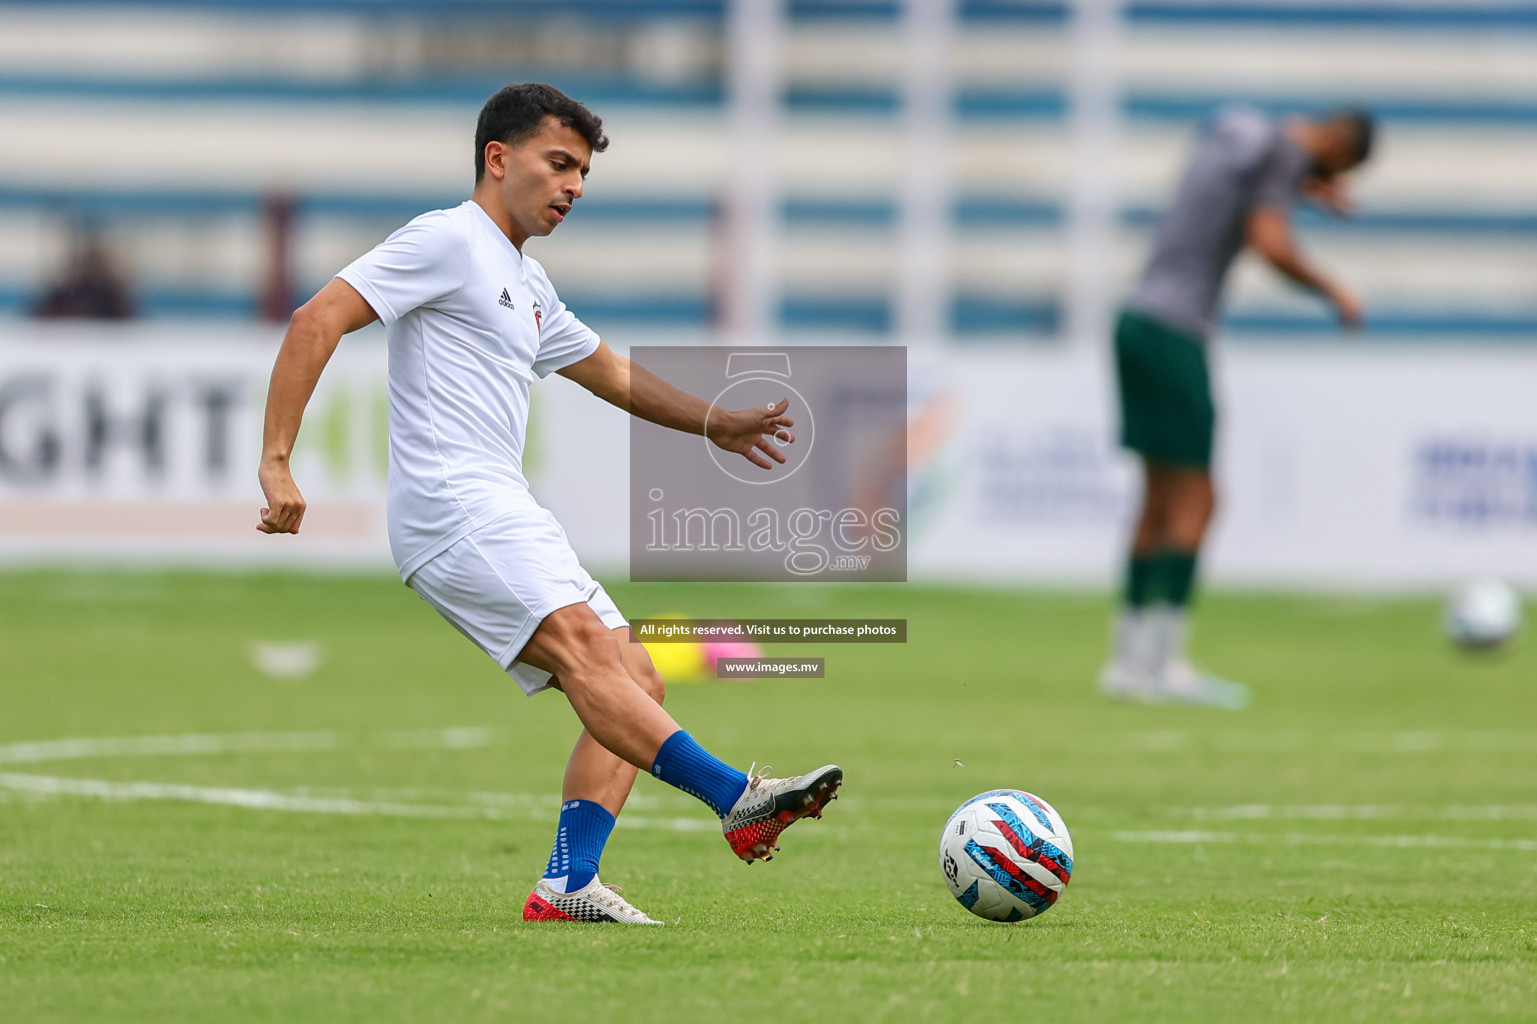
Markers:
1359,812
483,806
268,800
459,738
1308,839
154,746
1170,741
1281,741
260,799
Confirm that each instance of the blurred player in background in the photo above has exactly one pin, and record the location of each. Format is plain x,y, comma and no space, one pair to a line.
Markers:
1247,171
90,287
470,321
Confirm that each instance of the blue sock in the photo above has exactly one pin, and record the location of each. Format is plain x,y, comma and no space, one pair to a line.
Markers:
684,764
584,828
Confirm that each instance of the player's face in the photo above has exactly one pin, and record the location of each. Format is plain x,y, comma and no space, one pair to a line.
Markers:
545,177
1337,155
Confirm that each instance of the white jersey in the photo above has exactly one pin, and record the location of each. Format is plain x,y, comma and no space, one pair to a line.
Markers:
470,321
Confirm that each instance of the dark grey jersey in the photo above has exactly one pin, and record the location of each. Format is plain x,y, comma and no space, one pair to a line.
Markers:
1243,161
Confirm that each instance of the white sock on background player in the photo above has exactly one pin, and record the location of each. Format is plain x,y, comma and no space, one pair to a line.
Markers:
1168,626
1136,641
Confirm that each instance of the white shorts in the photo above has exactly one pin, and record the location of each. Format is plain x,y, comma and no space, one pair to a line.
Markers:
497,584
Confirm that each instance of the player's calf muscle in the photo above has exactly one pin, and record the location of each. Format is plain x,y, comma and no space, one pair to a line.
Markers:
637,662
652,682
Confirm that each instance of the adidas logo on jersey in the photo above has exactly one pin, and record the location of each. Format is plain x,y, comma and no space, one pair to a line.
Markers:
505,300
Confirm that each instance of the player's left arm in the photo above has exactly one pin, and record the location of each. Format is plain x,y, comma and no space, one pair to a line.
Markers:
642,393
1269,233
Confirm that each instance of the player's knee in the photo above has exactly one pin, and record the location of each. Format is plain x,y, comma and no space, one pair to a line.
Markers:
1203,505
1189,528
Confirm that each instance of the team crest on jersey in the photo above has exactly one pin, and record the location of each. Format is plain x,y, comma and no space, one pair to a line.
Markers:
537,324
506,300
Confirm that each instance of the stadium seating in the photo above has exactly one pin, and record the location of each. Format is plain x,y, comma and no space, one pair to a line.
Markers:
170,126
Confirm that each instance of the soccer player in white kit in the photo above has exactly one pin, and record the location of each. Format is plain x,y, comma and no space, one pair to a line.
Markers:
470,321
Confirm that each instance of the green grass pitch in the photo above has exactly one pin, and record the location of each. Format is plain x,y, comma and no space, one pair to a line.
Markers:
1360,845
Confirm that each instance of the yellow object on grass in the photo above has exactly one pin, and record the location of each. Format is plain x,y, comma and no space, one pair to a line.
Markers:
679,662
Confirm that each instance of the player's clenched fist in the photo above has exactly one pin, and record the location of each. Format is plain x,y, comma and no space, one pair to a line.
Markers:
285,505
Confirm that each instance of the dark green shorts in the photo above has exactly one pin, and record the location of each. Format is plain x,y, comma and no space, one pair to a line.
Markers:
1166,407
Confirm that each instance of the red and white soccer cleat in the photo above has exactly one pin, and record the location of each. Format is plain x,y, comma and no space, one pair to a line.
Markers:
594,902
769,806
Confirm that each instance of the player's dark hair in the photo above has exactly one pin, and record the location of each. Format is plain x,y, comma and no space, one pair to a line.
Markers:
515,113
1360,127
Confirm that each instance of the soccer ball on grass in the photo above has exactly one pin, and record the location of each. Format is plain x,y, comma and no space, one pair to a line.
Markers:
1482,614
1006,855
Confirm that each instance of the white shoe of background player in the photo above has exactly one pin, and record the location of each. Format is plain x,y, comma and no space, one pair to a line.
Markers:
1120,681
1183,683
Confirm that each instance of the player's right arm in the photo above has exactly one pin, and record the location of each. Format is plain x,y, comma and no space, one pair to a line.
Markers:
642,393
1269,233
314,331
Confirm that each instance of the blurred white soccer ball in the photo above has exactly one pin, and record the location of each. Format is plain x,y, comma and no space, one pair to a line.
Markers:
1482,613
1006,855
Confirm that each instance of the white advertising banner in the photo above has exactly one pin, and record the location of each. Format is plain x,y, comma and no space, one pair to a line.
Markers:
1346,466
140,444
1341,466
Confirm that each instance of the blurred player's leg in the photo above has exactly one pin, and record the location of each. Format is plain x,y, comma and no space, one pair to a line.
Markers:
1142,379
1189,502
1167,417
1133,664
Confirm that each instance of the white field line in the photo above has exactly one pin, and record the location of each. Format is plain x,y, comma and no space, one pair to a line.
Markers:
460,738
1358,812
1309,839
155,746
1282,741
476,805
47,786
670,799
258,799
1164,741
